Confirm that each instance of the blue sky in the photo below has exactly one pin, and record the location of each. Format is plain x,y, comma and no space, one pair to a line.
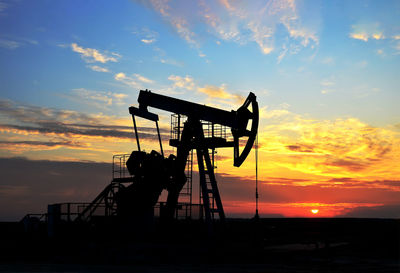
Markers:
325,74
38,65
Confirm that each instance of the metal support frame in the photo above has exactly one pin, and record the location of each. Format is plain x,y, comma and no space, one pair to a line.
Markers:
210,193
192,137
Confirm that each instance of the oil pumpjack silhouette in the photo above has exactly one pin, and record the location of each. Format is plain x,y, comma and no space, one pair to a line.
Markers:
140,178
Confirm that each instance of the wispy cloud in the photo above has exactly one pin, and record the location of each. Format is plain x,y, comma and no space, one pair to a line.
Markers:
239,22
68,130
327,85
142,78
50,128
186,82
39,145
378,31
149,37
146,35
366,32
148,41
91,55
359,36
17,42
164,58
215,92
282,54
8,44
171,61
121,77
177,20
135,80
326,91
98,68
99,99
3,7
182,27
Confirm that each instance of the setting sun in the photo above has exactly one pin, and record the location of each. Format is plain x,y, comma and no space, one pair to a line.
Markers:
314,211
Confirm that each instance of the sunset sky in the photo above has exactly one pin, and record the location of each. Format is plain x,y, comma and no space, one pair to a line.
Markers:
325,73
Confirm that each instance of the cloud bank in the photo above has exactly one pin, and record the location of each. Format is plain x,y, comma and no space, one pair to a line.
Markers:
25,128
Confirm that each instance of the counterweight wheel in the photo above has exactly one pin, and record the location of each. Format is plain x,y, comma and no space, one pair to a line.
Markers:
244,116
110,198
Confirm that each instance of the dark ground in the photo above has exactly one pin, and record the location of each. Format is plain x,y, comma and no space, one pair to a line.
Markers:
269,245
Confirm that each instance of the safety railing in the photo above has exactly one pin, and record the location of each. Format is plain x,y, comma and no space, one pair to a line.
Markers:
184,211
68,212
210,129
214,130
119,169
41,217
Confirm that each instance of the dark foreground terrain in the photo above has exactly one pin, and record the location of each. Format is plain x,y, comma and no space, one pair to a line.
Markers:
266,245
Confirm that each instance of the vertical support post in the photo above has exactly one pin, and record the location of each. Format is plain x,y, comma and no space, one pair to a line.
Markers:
136,132
235,147
213,149
179,127
120,166
159,139
217,197
191,178
206,200
113,173
206,168
257,215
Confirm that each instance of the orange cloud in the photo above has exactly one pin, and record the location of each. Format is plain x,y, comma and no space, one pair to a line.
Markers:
94,55
220,93
315,151
337,148
186,82
365,32
39,131
214,91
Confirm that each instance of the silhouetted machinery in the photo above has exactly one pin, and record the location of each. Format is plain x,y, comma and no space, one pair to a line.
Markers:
133,197
152,172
